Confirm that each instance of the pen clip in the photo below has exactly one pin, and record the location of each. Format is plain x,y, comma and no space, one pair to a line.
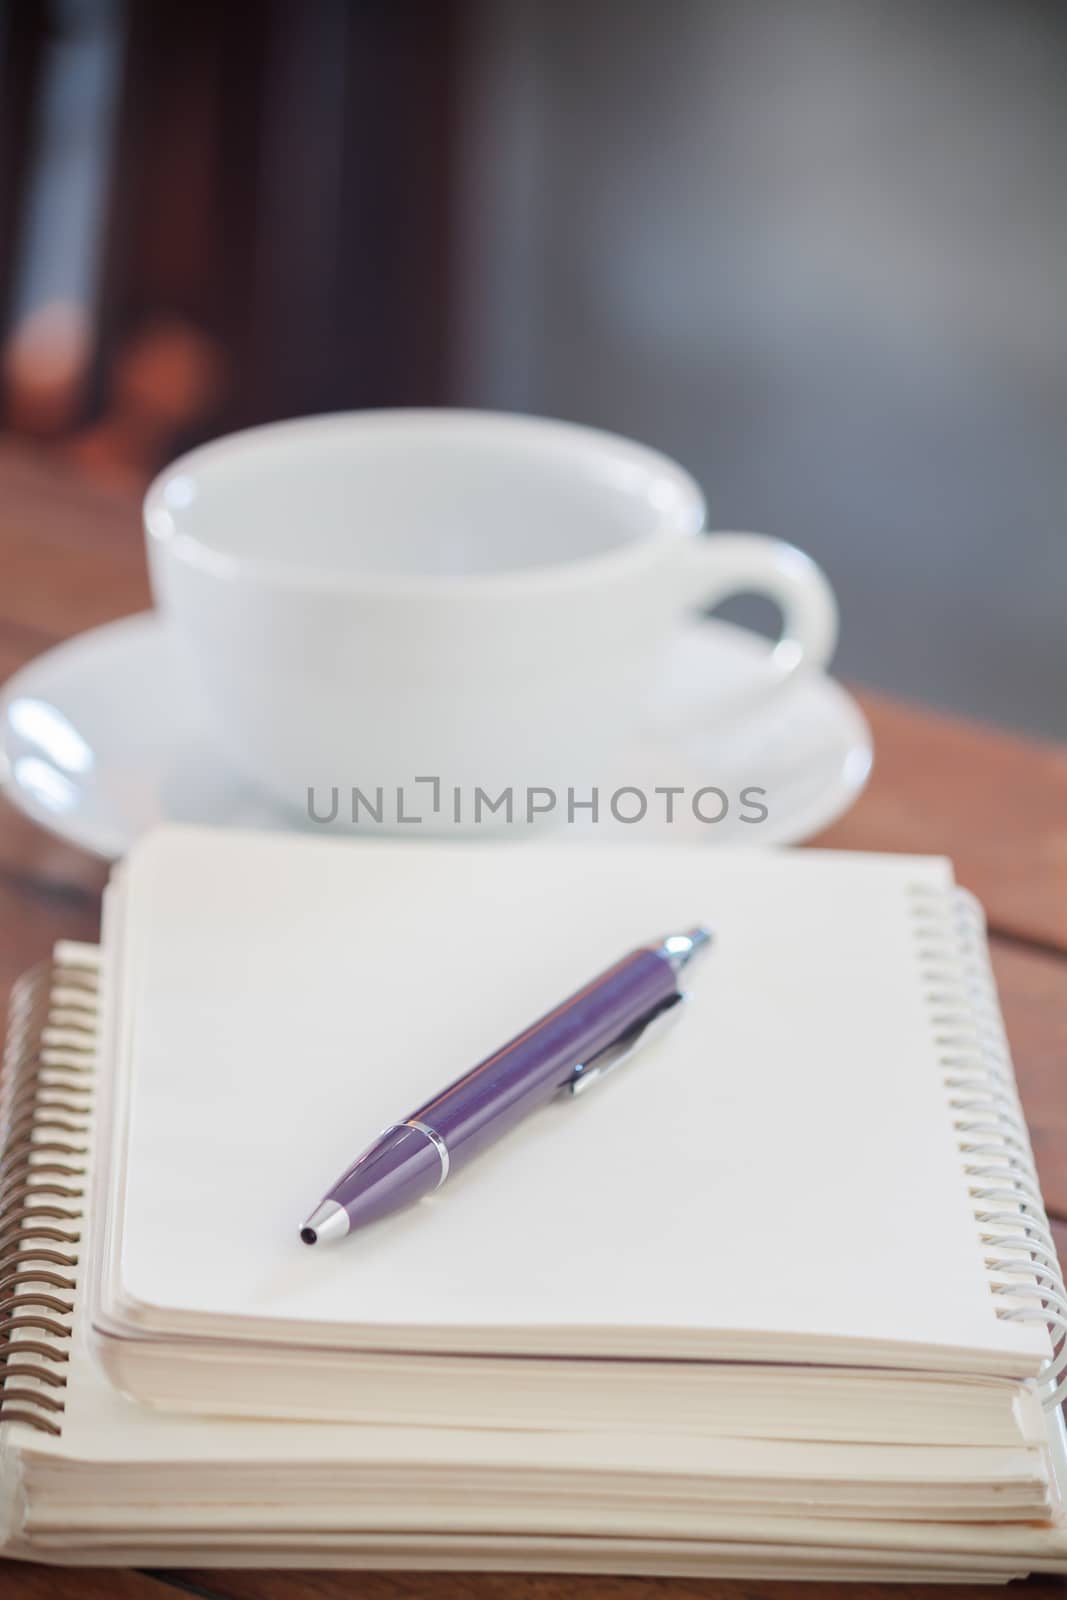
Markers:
627,1044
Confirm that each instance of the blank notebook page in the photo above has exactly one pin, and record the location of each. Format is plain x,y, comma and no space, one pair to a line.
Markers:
778,1176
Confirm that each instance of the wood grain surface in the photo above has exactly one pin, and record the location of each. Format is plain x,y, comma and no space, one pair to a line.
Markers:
71,558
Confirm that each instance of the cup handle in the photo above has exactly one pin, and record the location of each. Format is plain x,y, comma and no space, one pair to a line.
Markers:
747,563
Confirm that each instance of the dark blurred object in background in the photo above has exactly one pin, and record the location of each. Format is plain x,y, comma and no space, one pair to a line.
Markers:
217,214
815,250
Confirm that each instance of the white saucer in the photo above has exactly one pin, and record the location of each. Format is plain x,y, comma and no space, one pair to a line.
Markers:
99,741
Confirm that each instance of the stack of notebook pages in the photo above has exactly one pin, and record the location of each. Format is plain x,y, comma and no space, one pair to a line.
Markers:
779,1299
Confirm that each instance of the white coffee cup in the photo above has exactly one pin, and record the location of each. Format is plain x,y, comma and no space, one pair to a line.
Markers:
377,597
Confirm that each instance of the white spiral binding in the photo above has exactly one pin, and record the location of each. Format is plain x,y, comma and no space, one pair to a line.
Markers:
45,1091
987,1117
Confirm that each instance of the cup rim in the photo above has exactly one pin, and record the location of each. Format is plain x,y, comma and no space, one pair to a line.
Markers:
686,518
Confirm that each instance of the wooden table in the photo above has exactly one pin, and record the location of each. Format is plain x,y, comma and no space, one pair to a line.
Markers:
70,558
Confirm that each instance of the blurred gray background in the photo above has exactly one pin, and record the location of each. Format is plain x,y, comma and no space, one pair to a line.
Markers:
818,251
813,248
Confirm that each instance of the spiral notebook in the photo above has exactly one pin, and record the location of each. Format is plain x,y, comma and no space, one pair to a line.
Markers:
779,1297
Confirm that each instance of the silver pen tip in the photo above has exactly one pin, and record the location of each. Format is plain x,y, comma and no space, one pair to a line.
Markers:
327,1223
680,948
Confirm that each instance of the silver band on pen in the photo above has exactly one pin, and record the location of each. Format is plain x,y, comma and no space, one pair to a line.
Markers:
437,1142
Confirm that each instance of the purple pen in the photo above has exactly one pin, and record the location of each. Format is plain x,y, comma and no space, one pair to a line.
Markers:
568,1049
